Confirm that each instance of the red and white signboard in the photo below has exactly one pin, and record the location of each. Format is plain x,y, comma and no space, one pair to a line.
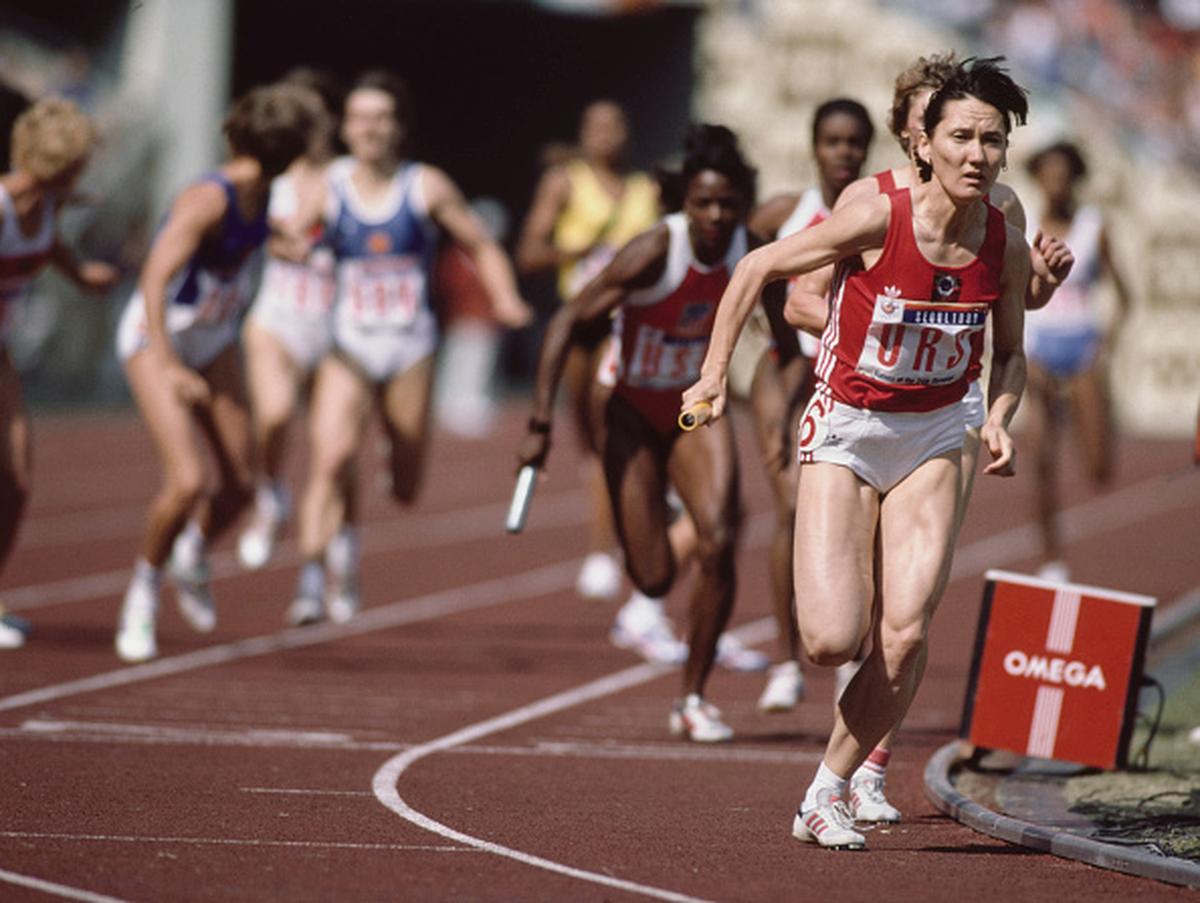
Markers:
1057,670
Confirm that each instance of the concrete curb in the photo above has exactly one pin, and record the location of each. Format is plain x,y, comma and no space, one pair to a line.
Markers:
1131,860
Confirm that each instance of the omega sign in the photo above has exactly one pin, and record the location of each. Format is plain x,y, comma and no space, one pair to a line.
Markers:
1056,670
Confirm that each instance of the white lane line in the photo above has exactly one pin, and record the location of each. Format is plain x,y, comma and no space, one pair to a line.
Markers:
540,581
555,511
305,791
388,775
58,890
228,842
140,734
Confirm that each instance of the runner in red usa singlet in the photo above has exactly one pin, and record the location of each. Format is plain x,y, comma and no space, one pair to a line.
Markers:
664,329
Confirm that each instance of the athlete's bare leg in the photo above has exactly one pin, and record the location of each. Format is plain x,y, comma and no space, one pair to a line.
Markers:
1041,439
338,415
16,457
916,523
273,380
225,421
1092,414
405,403
702,467
172,426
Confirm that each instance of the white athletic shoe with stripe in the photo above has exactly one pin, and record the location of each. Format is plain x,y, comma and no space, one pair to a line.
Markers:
135,640
784,689
699,721
867,802
828,823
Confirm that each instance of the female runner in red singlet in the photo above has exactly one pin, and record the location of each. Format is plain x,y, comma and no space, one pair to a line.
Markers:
666,283
881,441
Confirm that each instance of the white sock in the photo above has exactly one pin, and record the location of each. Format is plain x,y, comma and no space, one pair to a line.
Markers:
188,549
826,779
146,574
342,553
270,498
639,598
312,580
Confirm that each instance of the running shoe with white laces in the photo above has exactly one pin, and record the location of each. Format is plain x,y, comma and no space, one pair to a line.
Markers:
867,802
135,641
343,604
698,721
735,655
193,594
828,824
599,577
256,544
784,689
642,627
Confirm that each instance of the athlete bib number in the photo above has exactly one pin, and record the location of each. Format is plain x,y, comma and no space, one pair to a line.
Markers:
920,342
383,293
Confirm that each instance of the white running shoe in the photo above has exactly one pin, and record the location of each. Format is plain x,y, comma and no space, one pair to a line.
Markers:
11,634
135,640
599,577
193,594
784,689
867,802
698,721
642,627
256,543
828,823
343,605
305,610
735,655
843,674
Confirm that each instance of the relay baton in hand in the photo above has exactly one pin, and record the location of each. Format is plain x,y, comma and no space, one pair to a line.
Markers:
695,416
522,495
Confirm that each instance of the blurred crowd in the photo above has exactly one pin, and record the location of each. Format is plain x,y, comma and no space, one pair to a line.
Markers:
1133,65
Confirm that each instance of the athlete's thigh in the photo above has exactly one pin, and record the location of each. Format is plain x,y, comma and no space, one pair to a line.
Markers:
405,405
171,423
226,419
702,466
634,459
272,377
837,516
774,428
972,446
917,530
1092,419
337,413
15,432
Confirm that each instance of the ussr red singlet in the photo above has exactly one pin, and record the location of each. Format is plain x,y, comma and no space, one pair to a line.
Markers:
665,329
903,332
886,181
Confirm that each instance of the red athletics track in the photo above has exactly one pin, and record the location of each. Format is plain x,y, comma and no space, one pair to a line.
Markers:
476,702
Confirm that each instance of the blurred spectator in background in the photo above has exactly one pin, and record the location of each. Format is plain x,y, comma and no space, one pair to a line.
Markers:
12,104
1067,344
465,403
583,211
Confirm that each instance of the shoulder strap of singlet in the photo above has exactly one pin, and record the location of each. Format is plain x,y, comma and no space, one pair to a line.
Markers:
900,227
886,181
991,253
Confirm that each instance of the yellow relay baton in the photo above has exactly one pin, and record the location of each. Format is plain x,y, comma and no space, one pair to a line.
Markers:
695,416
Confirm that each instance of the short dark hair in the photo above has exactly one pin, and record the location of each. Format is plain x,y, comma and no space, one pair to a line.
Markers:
847,106
715,147
986,80
1068,150
389,83
272,124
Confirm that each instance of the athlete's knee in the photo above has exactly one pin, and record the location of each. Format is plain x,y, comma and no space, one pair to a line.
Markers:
716,545
184,488
827,646
654,578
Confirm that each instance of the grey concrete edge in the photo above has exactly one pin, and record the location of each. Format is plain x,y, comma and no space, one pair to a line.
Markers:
1131,860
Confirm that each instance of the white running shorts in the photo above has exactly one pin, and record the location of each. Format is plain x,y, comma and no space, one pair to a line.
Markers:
880,447
196,344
